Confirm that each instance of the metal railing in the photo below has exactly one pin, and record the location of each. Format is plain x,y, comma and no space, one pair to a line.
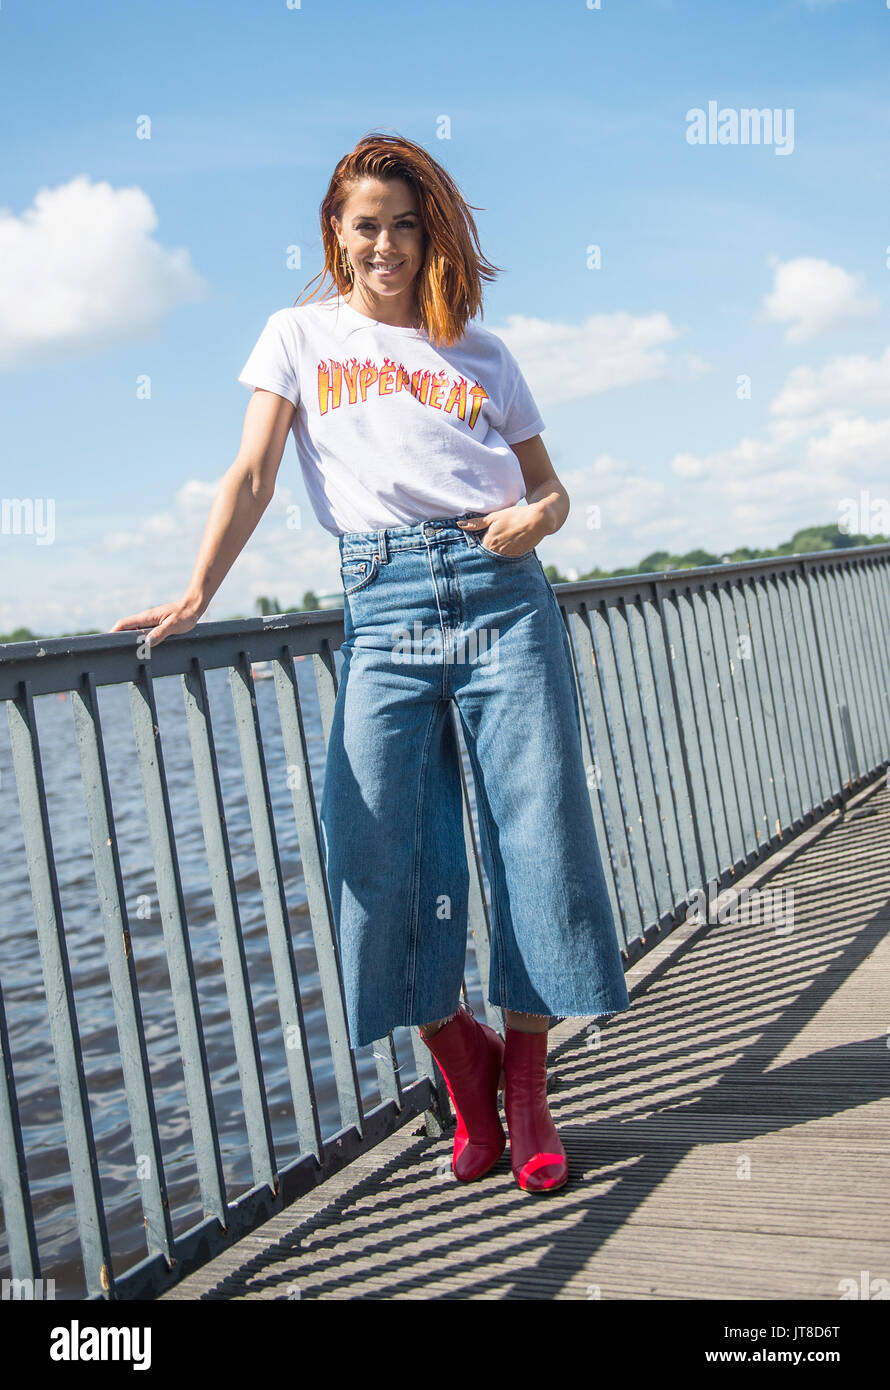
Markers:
739,703
726,708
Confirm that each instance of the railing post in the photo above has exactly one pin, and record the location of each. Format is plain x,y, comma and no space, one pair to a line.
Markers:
670,657
64,1031
122,971
816,619
15,1196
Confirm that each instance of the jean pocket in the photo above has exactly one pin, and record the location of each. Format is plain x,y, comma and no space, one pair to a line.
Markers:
357,573
508,559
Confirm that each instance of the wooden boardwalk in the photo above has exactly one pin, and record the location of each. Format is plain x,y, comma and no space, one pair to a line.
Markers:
728,1136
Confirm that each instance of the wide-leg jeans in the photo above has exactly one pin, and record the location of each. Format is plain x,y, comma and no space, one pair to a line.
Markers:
432,616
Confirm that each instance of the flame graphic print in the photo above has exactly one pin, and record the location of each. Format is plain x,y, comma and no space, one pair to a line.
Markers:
351,382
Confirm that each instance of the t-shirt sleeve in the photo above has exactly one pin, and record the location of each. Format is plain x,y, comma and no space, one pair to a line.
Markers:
522,418
271,364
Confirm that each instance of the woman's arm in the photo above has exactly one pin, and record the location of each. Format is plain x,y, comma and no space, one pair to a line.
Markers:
243,495
515,530
543,490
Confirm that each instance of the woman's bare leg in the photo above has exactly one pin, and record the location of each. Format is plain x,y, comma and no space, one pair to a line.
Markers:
523,1023
527,1023
429,1030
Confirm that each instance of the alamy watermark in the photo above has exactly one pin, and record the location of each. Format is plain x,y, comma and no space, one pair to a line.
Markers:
78,1342
772,905
29,516
33,1290
864,515
427,645
745,126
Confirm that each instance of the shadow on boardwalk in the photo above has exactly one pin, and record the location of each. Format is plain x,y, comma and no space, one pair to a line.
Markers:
727,1136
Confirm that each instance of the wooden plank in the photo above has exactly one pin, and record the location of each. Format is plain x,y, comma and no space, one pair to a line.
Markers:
749,1048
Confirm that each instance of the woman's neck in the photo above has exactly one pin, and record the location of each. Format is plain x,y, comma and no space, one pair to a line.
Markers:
369,311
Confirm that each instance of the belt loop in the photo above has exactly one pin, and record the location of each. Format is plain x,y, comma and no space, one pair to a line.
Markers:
469,536
381,547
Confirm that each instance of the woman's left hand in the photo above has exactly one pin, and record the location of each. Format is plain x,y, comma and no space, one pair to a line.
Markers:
510,530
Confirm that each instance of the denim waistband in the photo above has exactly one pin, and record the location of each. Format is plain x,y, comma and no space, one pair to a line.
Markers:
414,537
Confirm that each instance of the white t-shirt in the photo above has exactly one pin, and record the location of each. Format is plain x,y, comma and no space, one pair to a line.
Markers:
390,430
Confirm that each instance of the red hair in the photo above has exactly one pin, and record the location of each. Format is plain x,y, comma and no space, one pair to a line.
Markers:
449,284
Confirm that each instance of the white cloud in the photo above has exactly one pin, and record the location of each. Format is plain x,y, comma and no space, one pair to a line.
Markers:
852,450
748,457
162,524
115,541
80,271
689,466
780,485
568,362
818,448
608,497
814,297
607,466
183,522
845,382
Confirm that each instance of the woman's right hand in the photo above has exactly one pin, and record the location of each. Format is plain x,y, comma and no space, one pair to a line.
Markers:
167,618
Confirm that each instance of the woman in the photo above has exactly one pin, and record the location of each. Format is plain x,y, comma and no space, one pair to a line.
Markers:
418,438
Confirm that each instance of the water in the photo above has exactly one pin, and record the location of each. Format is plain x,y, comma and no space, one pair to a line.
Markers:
24,996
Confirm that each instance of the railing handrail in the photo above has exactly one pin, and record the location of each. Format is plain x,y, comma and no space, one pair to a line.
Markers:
294,619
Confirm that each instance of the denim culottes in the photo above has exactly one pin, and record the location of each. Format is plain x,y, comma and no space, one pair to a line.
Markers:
432,616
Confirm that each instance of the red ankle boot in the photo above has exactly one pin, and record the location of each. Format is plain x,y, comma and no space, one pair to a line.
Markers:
470,1056
537,1156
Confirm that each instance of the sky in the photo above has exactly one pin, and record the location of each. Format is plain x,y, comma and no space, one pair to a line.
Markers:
702,323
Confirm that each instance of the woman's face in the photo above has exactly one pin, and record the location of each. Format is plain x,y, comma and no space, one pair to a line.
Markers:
384,238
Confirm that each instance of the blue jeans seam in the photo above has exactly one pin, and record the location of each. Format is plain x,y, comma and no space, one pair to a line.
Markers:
486,822
429,555
411,964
